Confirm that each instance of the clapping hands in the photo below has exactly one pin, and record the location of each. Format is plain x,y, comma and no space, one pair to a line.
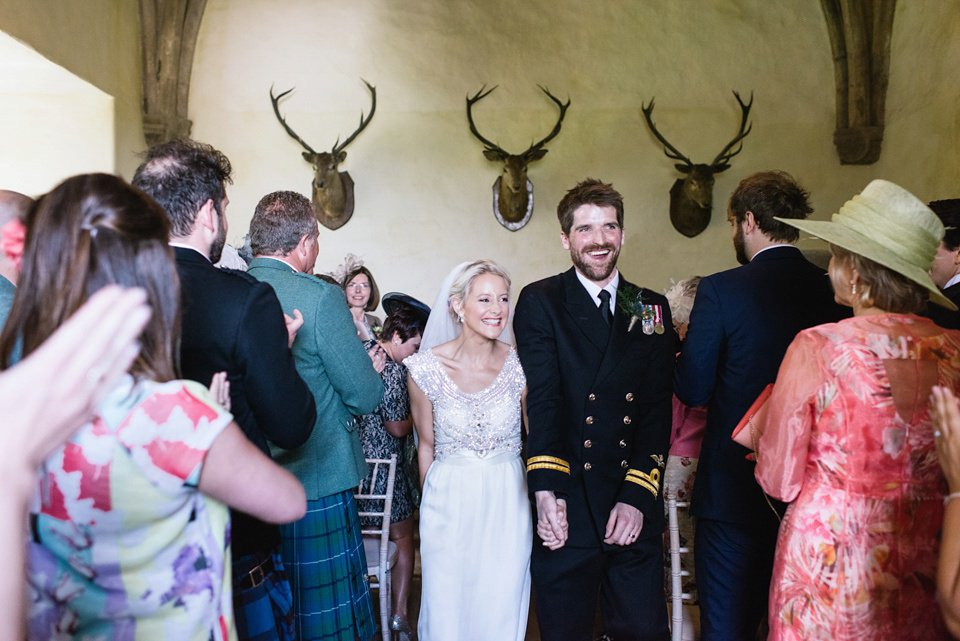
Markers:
945,415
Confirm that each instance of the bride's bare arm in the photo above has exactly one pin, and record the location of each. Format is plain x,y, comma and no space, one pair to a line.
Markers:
422,410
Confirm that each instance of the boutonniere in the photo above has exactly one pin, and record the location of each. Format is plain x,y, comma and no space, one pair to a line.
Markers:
630,300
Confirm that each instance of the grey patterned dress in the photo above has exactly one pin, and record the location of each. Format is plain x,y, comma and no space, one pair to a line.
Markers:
378,443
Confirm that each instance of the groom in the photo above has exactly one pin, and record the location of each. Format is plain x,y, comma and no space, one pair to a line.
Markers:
598,355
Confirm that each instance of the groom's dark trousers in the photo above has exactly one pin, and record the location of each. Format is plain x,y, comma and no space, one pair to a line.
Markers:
599,408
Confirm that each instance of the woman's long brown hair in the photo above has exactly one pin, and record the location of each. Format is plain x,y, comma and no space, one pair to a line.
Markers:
91,231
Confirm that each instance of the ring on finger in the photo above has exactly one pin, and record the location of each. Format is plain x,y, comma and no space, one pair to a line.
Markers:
95,375
937,433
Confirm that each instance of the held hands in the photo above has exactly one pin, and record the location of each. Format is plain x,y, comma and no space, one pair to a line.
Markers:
552,525
293,326
945,415
624,525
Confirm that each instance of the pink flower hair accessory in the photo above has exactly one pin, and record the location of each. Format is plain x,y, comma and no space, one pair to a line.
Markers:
12,237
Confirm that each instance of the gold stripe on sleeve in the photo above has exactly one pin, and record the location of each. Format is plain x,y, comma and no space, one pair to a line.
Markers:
548,459
547,466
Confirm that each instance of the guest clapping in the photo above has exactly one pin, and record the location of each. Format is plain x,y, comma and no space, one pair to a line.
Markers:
383,434
848,439
100,337
945,413
124,543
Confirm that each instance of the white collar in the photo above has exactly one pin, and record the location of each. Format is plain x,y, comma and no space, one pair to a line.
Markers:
593,289
280,260
772,247
953,281
186,246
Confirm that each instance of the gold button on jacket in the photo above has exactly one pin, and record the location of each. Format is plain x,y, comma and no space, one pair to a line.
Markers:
588,443
589,420
587,467
627,420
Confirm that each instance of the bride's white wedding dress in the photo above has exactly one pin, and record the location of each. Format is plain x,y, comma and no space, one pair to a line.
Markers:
475,518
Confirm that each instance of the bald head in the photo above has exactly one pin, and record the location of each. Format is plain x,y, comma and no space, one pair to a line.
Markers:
13,205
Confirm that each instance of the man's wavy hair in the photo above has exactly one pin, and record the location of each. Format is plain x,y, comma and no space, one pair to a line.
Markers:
182,175
767,194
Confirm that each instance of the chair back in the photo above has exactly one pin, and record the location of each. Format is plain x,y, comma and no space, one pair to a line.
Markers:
676,573
382,468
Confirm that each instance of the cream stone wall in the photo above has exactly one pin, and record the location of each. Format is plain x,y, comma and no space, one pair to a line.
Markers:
52,123
98,41
423,187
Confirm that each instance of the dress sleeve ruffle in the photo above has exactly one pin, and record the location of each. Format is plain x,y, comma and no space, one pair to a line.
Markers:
783,446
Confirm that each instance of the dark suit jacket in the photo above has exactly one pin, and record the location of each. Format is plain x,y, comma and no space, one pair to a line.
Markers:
741,324
943,316
233,323
598,402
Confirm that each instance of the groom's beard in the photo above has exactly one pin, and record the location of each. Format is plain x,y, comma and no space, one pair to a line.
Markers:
592,270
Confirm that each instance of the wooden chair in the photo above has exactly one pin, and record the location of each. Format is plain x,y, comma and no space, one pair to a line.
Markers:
381,553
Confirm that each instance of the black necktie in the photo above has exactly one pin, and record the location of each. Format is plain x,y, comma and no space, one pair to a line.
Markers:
604,297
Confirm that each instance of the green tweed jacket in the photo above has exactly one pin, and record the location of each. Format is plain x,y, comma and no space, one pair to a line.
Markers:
333,363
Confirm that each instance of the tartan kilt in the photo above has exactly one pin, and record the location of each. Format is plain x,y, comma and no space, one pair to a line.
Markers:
325,563
263,612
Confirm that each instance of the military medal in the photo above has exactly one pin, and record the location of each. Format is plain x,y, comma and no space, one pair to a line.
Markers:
658,319
647,320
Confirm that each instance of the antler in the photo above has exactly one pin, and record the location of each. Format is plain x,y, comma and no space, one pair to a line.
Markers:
283,121
477,97
338,146
671,152
556,128
721,161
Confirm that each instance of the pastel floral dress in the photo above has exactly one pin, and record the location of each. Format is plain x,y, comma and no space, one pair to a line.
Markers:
848,441
124,546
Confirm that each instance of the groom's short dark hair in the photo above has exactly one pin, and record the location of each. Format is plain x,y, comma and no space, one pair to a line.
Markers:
589,192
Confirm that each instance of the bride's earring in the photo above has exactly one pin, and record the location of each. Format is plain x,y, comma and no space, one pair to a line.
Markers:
853,288
461,319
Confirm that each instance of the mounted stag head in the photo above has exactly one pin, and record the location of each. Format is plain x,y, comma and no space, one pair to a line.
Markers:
691,198
332,189
512,191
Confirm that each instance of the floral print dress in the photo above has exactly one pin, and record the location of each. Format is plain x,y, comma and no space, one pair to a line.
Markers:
378,443
848,441
124,546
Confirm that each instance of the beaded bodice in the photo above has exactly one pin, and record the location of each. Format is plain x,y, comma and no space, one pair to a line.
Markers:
488,421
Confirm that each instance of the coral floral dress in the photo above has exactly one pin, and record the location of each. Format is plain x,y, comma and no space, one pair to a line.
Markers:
848,441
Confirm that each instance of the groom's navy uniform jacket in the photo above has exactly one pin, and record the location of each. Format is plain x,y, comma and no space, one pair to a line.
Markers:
599,402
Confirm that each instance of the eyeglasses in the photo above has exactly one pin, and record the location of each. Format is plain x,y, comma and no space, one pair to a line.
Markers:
359,285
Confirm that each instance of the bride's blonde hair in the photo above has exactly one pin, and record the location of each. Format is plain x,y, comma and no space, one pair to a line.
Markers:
461,285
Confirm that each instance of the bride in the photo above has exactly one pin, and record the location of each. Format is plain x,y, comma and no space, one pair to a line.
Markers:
466,388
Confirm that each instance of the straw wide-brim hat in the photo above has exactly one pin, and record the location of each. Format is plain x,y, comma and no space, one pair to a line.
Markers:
890,226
